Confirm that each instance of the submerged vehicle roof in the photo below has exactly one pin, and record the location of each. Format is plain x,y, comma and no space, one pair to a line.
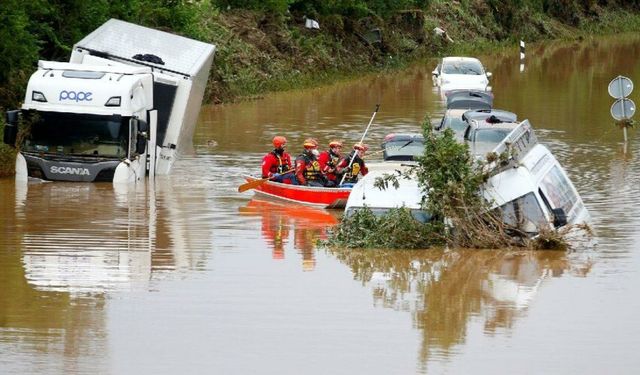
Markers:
402,146
364,193
491,116
469,99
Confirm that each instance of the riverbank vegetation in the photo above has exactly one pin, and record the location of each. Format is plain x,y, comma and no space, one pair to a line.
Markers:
265,46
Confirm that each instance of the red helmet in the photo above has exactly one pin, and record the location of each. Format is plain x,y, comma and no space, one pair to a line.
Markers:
279,141
310,143
333,144
360,146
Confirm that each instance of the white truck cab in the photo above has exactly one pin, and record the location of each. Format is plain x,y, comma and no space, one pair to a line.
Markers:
125,104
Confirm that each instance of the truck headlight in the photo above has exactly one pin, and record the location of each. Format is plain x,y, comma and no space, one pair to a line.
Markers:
37,96
113,101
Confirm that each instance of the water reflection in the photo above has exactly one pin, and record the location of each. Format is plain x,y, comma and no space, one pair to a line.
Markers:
279,221
444,290
73,244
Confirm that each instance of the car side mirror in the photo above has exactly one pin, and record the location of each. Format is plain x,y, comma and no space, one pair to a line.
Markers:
489,74
11,128
559,217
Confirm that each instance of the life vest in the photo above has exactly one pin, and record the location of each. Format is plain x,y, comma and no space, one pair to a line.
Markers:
356,167
311,170
333,159
284,163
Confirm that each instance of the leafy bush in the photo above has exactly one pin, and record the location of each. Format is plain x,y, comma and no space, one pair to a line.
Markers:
279,6
396,229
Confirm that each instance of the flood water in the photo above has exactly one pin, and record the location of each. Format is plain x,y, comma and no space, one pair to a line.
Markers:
187,276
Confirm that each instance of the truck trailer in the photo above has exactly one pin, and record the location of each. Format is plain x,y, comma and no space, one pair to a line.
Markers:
126,104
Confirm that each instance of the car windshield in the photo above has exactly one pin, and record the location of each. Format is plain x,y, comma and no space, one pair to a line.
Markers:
523,213
78,134
462,67
406,149
494,136
454,123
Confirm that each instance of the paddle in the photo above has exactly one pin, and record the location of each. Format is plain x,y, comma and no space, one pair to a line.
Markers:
361,139
255,183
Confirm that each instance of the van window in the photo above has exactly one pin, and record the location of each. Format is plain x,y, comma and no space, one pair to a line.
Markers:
558,190
523,213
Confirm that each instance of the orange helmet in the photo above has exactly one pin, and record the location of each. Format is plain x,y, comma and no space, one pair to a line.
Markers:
279,141
310,143
360,146
333,144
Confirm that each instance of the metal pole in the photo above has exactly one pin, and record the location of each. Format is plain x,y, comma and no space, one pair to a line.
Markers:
361,140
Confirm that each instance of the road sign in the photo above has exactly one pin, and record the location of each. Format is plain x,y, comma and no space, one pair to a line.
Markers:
620,87
623,109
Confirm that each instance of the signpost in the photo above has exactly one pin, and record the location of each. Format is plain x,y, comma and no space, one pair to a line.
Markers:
622,109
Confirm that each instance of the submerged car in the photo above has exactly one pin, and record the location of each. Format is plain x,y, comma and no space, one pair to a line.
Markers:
486,130
400,152
402,147
460,102
530,189
460,73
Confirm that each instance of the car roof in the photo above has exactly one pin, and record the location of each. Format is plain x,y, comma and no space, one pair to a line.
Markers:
395,137
458,58
469,99
490,115
466,93
481,125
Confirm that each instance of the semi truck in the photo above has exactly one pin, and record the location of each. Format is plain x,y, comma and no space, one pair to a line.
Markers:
124,106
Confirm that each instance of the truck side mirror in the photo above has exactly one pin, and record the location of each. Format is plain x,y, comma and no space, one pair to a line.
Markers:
11,128
141,135
143,126
559,217
141,144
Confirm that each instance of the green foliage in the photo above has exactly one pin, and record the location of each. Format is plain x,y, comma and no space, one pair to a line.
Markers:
7,156
396,229
449,171
279,6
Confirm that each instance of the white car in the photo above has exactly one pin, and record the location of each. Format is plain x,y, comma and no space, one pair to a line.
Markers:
531,190
454,73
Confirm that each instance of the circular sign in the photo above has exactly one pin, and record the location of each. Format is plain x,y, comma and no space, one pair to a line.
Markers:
623,109
620,87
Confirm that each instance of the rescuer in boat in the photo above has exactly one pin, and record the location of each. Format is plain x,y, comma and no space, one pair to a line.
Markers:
307,166
357,166
329,160
276,165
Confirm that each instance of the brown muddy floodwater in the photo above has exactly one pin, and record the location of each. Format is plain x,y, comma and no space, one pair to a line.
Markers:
187,276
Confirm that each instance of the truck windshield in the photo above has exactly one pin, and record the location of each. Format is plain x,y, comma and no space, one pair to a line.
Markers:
78,134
